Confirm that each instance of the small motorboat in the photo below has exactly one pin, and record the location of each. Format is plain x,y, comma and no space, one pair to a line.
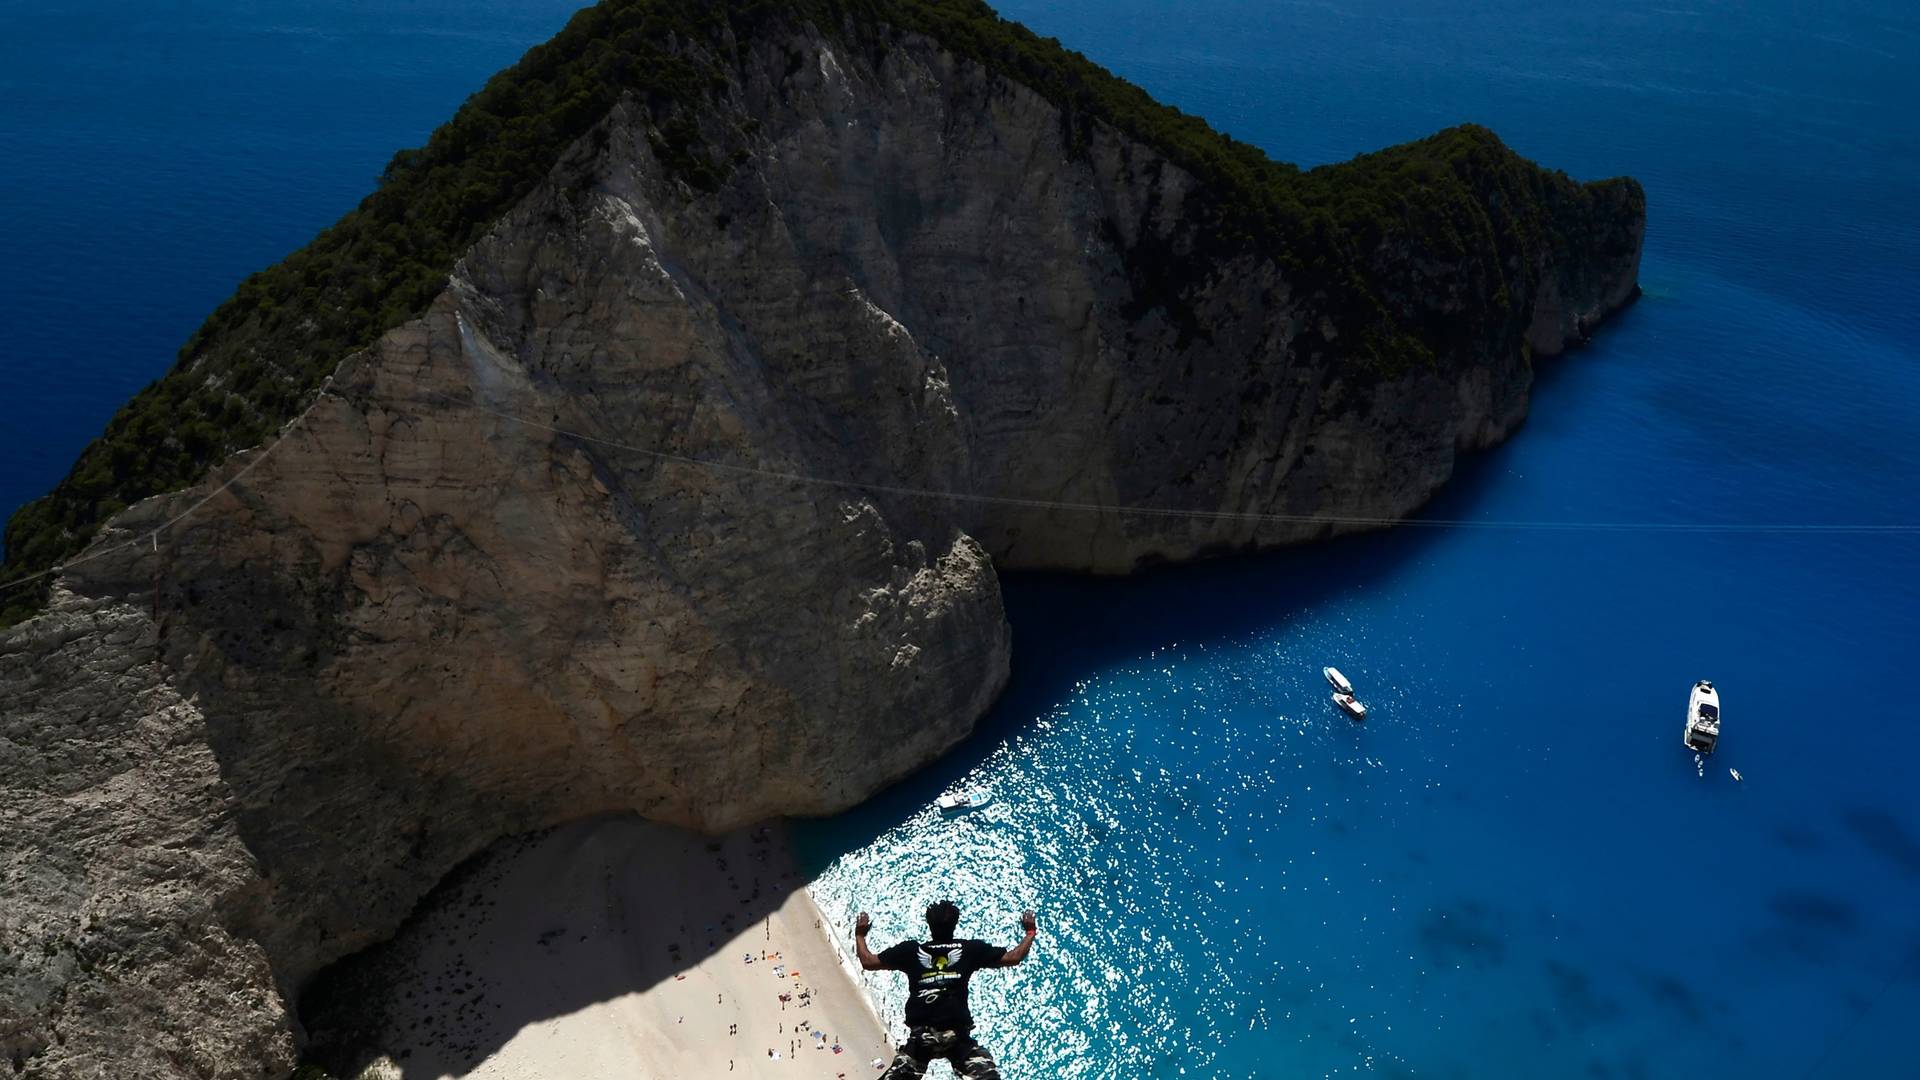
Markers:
1337,681
1703,718
1735,773
1351,706
960,802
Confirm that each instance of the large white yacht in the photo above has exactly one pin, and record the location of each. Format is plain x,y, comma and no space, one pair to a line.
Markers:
1703,718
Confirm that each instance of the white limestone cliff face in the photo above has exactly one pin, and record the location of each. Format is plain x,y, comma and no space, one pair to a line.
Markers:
634,519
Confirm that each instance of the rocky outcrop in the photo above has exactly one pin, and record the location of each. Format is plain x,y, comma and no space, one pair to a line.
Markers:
124,884
690,503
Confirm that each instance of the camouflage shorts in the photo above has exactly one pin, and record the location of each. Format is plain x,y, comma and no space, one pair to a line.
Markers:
924,1045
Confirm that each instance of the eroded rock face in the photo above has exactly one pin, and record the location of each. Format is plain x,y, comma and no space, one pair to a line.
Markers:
124,883
636,518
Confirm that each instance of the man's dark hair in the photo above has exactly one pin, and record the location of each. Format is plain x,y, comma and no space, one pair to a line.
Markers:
943,919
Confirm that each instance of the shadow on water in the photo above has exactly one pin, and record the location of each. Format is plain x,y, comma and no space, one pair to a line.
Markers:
1885,836
1469,934
1067,628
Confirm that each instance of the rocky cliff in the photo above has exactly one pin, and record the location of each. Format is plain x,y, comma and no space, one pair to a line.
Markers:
685,495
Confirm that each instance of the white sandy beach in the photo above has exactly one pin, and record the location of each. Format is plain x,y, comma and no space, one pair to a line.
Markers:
618,949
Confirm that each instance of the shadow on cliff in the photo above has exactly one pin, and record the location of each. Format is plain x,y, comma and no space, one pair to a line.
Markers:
548,925
1066,628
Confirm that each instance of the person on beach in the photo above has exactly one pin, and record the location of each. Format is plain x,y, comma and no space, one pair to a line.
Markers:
939,1024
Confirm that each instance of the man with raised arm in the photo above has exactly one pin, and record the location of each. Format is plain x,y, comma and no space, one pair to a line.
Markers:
939,1024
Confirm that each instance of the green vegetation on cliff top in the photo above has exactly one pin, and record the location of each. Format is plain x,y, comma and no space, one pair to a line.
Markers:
262,353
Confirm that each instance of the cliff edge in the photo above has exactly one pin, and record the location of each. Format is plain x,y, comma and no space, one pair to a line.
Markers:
683,490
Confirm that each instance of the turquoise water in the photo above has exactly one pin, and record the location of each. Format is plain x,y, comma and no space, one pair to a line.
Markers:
1513,868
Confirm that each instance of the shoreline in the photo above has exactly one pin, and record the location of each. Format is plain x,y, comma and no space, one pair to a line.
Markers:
849,969
616,948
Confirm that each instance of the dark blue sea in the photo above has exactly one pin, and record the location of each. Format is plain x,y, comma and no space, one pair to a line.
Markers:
1512,868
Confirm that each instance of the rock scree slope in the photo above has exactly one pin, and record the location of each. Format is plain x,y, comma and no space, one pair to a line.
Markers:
556,542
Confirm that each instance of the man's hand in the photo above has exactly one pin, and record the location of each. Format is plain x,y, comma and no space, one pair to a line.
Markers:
1019,952
868,961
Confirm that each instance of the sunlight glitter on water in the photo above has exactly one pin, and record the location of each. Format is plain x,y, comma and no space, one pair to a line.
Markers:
1148,818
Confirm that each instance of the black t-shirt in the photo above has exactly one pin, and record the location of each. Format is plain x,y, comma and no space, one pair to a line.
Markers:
937,975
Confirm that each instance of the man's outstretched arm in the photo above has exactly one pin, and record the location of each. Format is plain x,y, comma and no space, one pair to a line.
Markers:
1019,952
868,961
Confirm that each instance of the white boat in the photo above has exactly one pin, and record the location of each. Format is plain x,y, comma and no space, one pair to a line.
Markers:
1703,718
1337,681
960,802
1351,706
